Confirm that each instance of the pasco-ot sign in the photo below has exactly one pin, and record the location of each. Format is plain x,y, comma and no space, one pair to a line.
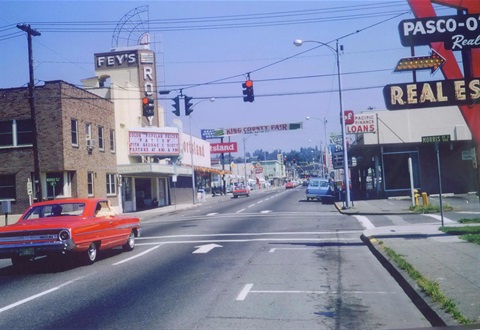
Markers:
457,32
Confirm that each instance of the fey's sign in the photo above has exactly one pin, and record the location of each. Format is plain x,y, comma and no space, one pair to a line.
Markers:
432,94
457,32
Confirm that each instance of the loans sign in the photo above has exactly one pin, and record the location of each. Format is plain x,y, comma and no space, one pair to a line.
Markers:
432,94
362,123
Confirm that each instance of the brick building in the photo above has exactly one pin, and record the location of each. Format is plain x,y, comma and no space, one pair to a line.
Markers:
76,144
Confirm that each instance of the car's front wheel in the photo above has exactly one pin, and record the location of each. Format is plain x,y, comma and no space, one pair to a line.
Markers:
130,244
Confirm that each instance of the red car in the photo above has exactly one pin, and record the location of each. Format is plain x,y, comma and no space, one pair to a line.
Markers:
67,226
241,190
290,185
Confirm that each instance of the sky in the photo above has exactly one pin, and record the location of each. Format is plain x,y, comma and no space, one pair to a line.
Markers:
208,48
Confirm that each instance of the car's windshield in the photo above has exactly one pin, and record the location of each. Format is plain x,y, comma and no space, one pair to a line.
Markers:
55,210
318,183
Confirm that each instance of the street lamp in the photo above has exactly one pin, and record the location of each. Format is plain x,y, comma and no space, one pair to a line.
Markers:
299,42
191,147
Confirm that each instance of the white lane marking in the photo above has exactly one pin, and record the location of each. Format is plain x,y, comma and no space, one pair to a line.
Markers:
38,295
255,240
211,214
205,248
469,212
254,234
364,221
243,294
251,205
266,211
240,211
247,289
138,255
260,201
439,218
275,249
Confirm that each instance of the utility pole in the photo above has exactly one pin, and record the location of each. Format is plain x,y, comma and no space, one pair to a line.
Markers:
31,98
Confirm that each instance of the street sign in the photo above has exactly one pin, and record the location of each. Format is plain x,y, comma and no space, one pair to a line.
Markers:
435,139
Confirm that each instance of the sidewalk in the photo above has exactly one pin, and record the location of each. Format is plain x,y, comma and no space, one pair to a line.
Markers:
442,258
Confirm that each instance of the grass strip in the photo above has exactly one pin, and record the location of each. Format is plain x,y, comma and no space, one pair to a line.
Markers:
431,288
468,233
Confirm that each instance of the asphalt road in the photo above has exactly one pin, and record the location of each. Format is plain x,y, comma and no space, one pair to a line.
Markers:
271,260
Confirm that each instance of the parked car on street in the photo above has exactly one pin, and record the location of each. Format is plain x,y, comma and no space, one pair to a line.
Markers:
67,226
319,189
241,190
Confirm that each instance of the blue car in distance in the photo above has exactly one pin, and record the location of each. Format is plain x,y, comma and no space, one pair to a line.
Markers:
319,189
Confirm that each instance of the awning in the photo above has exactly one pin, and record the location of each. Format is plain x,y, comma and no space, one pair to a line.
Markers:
211,170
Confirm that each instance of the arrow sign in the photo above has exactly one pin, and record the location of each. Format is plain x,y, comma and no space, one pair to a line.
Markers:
433,62
205,248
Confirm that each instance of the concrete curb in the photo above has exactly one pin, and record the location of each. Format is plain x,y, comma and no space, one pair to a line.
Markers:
431,316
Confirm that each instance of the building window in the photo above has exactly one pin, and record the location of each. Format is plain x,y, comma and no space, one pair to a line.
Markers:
88,131
101,144
16,133
7,187
90,176
74,129
111,186
24,132
112,140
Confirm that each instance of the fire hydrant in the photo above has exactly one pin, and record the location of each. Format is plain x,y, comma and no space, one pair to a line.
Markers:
416,195
424,199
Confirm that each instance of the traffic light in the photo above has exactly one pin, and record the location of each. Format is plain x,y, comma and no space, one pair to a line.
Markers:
148,106
248,91
176,105
188,105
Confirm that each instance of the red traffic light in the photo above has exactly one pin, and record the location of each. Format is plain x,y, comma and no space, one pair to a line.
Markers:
248,83
145,100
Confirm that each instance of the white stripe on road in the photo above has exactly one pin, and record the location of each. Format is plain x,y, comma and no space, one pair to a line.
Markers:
364,221
240,211
255,240
248,289
138,255
254,234
38,295
243,294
